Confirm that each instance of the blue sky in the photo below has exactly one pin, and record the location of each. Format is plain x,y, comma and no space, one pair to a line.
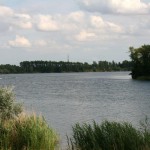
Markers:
86,30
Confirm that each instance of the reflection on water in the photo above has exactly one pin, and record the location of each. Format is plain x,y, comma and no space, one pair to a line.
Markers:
67,98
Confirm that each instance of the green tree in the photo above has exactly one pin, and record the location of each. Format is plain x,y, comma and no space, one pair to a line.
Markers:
140,62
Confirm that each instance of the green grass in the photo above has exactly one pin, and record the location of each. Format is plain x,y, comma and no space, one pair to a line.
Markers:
27,133
108,136
19,131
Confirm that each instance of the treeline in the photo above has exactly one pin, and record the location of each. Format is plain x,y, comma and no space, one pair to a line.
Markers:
6,69
61,66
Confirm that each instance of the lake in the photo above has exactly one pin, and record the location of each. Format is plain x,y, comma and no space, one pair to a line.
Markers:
67,98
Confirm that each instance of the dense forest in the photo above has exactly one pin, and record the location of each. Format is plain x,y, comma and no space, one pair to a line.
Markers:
61,66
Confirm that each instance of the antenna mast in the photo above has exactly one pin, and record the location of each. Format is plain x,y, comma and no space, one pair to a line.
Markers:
68,58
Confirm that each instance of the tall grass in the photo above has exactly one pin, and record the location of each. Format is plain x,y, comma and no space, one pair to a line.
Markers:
108,136
27,133
22,132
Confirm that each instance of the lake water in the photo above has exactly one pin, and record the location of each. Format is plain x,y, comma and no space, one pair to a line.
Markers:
67,98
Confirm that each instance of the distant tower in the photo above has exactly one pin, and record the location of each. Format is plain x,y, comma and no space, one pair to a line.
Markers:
68,58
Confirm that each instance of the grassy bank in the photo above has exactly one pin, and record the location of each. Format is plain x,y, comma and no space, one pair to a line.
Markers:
109,136
19,131
27,133
33,133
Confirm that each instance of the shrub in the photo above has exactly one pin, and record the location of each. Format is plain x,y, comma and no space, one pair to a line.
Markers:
8,107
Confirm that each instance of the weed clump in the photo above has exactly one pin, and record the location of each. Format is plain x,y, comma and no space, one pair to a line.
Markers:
19,131
108,136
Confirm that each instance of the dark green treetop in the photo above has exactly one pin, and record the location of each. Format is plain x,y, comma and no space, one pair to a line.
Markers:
140,61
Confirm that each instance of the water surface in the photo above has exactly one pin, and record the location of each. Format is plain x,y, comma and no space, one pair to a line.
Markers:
66,98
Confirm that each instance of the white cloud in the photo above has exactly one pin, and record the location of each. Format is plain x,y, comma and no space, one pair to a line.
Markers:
23,21
114,27
46,23
77,16
70,22
107,26
116,6
41,43
13,19
25,25
85,36
97,22
20,41
5,11
24,16
77,28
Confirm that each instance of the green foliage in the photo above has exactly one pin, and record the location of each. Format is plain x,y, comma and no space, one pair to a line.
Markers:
19,131
61,66
51,66
6,69
108,136
141,62
8,107
27,133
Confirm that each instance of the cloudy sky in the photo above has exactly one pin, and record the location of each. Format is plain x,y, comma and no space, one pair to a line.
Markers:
84,30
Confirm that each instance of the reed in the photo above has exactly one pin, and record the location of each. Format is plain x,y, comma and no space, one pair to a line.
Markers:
108,136
27,133
19,131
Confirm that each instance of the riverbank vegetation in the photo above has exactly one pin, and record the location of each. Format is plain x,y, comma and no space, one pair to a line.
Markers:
61,66
22,131
109,136
19,131
140,62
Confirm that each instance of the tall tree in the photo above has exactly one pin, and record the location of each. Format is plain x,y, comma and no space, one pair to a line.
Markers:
140,61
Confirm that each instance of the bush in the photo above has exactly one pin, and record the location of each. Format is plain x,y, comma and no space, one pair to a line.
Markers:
8,107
